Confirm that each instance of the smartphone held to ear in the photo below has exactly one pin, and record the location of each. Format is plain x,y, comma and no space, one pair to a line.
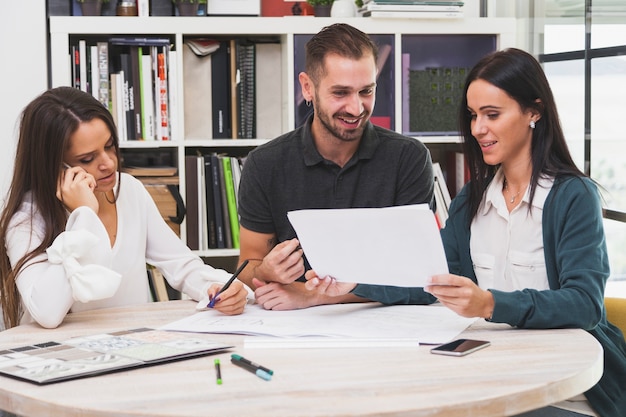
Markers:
460,347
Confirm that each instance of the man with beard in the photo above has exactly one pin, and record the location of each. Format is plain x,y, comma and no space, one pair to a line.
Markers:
337,159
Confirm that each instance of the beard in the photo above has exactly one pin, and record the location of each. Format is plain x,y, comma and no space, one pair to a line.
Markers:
341,133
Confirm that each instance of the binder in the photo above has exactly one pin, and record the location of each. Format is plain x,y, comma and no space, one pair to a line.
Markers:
220,92
191,198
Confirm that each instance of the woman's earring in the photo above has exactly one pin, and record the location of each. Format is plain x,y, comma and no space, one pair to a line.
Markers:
532,124
308,103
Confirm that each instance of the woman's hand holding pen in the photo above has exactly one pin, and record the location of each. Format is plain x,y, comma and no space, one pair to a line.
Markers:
327,285
232,300
461,295
76,188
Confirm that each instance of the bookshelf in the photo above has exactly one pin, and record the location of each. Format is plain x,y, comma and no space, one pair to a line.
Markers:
435,42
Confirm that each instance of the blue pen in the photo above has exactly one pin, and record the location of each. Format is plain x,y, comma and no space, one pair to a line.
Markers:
230,281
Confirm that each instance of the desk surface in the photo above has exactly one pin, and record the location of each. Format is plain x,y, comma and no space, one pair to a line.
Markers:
521,370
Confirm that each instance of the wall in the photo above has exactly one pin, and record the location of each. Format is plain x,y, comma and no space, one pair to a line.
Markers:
24,69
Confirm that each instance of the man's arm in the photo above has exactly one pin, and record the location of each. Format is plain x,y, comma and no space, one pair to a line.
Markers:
269,261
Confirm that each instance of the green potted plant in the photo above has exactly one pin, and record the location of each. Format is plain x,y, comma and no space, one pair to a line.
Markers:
91,7
321,8
188,7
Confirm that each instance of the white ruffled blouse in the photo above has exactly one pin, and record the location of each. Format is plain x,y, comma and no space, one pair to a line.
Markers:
81,271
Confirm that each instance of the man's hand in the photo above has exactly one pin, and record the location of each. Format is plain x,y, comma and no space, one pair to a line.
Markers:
275,296
284,264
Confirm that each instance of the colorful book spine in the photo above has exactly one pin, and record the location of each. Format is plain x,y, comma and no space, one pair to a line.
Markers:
163,101
231,201
103,73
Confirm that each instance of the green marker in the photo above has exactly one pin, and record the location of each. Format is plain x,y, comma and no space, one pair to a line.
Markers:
218,372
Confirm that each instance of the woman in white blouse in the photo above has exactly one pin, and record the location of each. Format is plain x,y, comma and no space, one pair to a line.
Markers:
77,232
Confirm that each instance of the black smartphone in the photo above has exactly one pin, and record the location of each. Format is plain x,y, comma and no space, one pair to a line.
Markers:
460,347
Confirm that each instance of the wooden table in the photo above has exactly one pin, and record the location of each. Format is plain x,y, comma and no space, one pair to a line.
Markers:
521,370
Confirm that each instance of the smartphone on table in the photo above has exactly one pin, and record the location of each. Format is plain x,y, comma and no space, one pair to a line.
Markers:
460,347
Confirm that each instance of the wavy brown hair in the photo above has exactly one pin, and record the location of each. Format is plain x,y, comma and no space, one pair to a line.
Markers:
46,125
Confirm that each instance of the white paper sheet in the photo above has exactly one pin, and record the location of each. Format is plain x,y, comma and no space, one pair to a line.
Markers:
426,324
399,246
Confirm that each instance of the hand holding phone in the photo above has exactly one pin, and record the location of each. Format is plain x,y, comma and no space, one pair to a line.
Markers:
460,347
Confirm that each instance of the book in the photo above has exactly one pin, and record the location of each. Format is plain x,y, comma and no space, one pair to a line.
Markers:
150,171
268,90
440,177
128,96
75,59
172,93
147,96
213,207
442,195
197,99
82,57
235,164
165,194
94,74
426,2
156,84
134,89
246,89
117,104
202,47
220,91
392,14
203,208
103,73
217,201
143,7
231,202
235,78
139,41
102,353
228,236
164,133
411,6
191,200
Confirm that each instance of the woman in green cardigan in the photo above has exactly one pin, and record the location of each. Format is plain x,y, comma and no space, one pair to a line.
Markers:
525,241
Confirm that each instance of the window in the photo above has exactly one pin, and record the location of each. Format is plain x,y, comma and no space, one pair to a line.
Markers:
588,76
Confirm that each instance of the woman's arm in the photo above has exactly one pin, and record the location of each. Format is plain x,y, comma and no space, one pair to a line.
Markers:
47,286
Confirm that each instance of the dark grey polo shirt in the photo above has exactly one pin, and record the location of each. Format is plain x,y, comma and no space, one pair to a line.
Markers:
288,174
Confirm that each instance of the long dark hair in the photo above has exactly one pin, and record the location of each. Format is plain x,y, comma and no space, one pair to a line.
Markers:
46,125
519,75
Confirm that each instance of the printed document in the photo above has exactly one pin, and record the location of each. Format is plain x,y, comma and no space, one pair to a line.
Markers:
346,323
398,246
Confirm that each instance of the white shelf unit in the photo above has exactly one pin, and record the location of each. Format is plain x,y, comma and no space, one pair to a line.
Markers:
284,28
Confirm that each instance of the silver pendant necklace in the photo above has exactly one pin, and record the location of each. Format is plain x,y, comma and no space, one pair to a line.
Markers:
514,196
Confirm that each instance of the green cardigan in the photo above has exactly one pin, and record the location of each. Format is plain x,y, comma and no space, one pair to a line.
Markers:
577,266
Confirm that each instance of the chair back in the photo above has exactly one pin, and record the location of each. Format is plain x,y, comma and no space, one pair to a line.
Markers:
616,312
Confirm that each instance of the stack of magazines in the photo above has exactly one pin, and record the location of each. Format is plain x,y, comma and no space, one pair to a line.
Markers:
407,9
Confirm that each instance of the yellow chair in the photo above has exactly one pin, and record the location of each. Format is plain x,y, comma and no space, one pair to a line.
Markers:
616,312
